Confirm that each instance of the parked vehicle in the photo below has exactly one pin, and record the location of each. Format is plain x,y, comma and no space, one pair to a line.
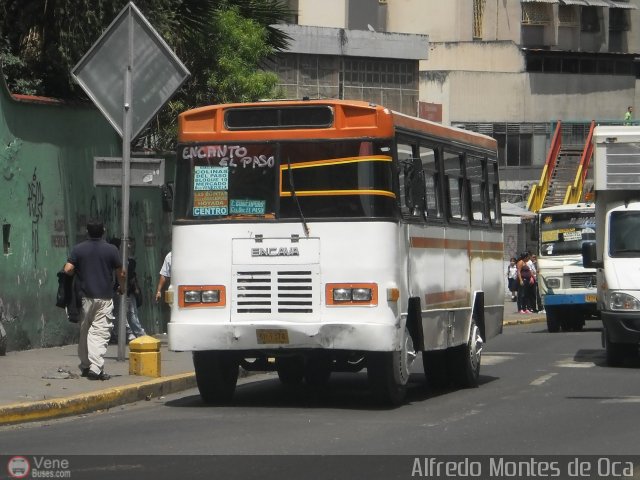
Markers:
567,288
616,251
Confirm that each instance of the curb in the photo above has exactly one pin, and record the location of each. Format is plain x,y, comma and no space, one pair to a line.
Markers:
91,402
525,321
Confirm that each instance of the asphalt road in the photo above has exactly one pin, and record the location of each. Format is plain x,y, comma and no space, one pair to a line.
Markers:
540,393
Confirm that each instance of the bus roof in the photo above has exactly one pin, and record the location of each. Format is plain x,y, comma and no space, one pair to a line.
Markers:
352,119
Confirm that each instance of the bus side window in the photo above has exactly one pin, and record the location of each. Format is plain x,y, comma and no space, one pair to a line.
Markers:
475,170
432,206
494,193
405,173
455,185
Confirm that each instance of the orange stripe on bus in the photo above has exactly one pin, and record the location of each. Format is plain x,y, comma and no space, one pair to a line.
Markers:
445,297
452,244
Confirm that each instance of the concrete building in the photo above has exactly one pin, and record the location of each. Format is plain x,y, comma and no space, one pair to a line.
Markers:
506,68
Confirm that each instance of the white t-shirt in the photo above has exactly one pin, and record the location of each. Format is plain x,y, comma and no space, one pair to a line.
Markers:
165,271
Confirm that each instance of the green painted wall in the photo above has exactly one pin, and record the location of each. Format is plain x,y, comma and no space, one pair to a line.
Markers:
46,196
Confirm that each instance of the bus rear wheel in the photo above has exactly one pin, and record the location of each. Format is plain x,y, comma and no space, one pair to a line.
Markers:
464,361
388,372
216,375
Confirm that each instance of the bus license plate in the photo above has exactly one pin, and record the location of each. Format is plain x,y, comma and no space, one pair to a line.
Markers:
591,298
272,336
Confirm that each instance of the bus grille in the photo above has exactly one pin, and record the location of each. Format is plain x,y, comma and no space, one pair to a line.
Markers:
583,280
269,292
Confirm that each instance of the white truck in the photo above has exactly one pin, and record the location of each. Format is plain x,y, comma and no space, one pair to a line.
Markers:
567,288
616,251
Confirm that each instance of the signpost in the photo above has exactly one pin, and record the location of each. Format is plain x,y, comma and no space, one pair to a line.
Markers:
129,73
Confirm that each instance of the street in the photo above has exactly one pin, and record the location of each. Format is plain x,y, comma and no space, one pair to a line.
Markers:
540,393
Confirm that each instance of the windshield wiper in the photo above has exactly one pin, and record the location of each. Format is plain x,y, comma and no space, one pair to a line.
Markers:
295,198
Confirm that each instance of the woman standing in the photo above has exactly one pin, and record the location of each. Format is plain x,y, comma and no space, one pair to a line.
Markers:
525,284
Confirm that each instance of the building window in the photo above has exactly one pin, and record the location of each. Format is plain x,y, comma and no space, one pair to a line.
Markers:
536,13
590,20
619,20
568,16
478,16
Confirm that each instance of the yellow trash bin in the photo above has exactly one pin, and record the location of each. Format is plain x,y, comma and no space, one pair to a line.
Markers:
144,356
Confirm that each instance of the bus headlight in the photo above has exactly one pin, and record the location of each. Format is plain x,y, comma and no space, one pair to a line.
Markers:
201,296
553,282
351,294
623,301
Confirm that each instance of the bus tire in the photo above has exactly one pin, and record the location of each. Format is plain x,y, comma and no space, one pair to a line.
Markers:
318,369
553,320
463,362
216,375
290,369
388,372
434,364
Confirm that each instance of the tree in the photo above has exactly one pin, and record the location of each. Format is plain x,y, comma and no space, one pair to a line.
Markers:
223,43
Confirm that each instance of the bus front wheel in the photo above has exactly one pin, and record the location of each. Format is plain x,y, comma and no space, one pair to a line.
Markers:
216,375
388,372
290,369
617,353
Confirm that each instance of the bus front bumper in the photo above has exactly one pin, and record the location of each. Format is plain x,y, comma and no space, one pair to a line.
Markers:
579,299
256,337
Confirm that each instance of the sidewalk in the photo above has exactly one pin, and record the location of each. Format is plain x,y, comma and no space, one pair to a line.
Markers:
44,383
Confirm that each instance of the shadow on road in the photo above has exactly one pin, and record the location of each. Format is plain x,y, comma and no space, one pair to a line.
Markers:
344,391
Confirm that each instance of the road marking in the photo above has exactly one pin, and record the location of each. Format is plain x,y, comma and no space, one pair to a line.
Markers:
540,380
622,400
574,364
453,418
494,359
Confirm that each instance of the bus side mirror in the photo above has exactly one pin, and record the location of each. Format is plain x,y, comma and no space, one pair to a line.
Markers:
589,256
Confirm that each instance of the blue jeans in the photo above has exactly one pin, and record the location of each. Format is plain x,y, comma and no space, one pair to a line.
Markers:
132,317
133,322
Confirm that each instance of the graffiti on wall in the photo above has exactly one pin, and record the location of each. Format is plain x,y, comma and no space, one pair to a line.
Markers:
59,237
35,201
8,157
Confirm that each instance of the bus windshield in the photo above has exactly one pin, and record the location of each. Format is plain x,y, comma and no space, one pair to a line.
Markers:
282,180
562,233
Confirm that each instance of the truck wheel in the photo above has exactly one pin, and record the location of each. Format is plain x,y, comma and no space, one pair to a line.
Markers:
553,321
216,375
388,372
617,353
290,369
463,362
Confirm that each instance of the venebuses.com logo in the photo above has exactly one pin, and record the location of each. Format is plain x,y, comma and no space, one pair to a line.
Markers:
38,467
18,467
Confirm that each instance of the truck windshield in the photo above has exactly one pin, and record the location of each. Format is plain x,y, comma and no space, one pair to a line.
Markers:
562,233
284,180
624,234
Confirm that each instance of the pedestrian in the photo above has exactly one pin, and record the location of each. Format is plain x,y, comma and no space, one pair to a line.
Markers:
133,328
165,276
512,278
94,262
525,283
628,116
536,300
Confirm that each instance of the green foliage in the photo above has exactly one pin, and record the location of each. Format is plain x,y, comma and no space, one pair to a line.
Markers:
223,43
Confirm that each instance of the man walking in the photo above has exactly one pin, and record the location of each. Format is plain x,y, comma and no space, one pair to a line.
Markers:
94,262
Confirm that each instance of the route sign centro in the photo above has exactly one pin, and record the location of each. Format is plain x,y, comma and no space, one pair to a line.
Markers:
156,71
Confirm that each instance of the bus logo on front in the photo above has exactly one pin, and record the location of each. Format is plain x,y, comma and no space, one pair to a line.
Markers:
275,252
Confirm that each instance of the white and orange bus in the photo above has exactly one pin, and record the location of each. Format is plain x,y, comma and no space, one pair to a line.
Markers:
311,237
